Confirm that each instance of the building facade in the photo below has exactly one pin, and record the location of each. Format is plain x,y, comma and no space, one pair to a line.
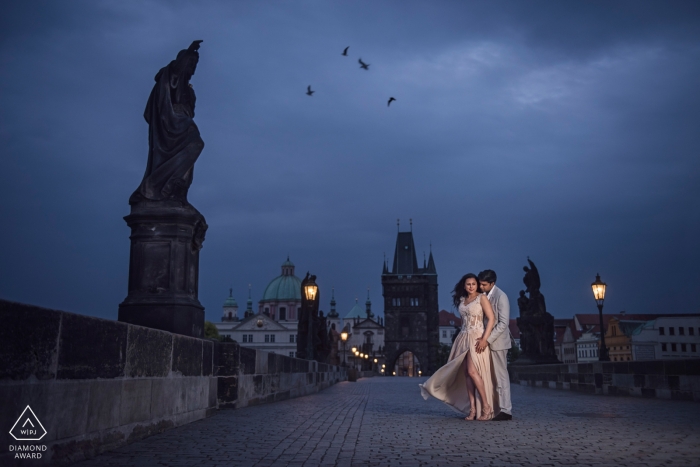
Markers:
411,311
274,327
667,338
588,346
450,324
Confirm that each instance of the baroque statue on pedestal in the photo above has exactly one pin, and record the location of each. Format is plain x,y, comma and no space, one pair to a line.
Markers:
174,143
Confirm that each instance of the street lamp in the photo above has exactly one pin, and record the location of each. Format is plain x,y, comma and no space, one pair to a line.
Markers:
344,338
599,294
310,291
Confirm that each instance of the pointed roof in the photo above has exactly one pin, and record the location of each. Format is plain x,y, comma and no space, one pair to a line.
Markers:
431,264
405,261
332,313
446,318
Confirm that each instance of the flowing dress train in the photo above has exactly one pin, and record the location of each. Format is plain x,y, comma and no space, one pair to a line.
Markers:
449,382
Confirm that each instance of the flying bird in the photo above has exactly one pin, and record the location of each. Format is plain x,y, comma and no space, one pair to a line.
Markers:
345,52
309,92
363,65
391,99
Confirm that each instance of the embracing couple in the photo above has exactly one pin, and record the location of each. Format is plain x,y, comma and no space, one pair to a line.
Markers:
474,381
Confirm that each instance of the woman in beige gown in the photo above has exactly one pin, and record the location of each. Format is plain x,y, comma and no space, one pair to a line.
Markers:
465,382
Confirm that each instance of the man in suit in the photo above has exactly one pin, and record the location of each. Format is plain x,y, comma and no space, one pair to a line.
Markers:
499,340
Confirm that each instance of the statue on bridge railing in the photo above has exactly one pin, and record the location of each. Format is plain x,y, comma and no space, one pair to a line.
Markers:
535,324
167,232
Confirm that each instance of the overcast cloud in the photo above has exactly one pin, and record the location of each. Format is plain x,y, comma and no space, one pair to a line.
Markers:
563,131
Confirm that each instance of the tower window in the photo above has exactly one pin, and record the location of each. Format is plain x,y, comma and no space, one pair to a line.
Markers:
283,313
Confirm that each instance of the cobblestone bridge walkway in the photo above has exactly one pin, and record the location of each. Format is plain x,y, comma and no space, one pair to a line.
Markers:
385,422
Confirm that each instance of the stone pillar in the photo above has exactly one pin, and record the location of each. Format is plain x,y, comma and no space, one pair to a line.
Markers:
166,237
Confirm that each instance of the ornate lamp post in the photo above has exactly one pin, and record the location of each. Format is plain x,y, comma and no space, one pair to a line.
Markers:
599,294
311,290
344,339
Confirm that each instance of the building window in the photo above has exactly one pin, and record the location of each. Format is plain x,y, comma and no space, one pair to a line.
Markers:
691,331
291,338
681,331
693,348
661,331
272,338
283,313
267,311
245,338
444,333
663,346
291,354
683,348
671,331
673,347
267,338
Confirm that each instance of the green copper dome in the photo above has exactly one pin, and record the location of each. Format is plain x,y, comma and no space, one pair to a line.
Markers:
356,312
284,287
230,301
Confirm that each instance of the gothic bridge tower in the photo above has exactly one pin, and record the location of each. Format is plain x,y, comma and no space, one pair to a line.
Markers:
410,311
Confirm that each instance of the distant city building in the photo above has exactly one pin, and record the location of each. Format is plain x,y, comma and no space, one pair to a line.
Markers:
667,337
230,308
274,327
587,346
411,311
565,336
630,336
618,338
366,334
450,324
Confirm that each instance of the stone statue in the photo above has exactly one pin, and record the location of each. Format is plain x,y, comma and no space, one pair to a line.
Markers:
174,143
523,303
167,232
532,278
535,324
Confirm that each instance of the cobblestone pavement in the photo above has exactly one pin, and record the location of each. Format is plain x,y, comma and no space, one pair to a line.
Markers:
383,421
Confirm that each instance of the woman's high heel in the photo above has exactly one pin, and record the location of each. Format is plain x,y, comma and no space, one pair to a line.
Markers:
486,415
472,414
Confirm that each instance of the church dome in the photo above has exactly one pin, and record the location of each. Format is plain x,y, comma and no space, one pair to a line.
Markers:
284,287
356,312
230,301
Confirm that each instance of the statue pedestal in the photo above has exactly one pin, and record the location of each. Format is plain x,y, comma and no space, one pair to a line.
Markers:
536,339
166,237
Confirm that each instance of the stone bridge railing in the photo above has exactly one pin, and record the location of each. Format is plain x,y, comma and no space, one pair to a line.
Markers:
663,379
97,384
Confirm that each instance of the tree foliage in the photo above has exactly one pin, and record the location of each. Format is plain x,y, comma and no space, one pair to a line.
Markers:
210,331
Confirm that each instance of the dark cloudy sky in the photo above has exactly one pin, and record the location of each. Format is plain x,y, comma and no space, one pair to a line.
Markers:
566,131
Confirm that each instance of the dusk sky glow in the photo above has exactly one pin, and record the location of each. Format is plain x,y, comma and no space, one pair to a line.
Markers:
563,131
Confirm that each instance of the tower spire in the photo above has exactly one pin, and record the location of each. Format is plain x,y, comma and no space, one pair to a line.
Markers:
368,306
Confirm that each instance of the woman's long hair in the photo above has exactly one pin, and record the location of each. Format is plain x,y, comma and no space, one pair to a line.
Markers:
459,290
